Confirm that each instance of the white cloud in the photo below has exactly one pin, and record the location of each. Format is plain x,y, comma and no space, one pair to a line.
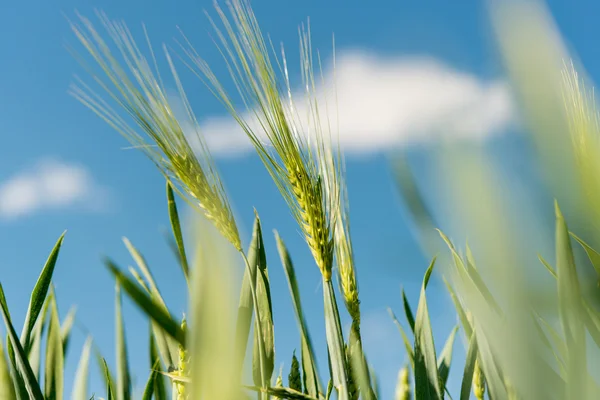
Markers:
50,184
386,101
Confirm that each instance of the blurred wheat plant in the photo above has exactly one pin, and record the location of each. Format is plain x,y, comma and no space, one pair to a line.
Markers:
298,151
35,366
140,92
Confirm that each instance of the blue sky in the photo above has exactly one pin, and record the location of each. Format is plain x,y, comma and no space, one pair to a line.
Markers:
423,66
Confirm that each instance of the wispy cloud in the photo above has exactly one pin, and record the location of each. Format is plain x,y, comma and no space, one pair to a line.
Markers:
384,102
49,184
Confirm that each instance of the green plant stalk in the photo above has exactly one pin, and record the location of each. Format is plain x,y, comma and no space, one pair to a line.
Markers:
261,346
335,341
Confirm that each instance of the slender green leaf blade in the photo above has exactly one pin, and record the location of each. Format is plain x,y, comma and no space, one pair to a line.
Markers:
123,375
335,341
80,388
592,254
407,344
547,265
65,330
263,295
154,310
151,384
446,358
467,380
159,382
246,306
427,384
39,293
310,375
570,309
166,346
7,388
462,315
54,380
176,228
106,376
21,361
283,393
408,312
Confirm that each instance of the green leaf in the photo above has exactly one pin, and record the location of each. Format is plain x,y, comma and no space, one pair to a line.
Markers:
159,382
80,388
592,254
359,368
54,380
39,293
427,384
21,361
7,388
407,344
592,320
123,376
65,330
263,295
570,309
471,272
547,265
282,393
154,310
446,358
312,383
558,343
329,390
176,228
151,384
462,315
246,306
491,368
335,341
408,312
35,353
467,380
107,377
166,346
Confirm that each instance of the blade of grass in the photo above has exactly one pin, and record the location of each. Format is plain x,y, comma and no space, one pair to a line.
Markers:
151,308
160,389
312,383
80,388
39,293
246,306
151,384
462,315
407,344
282,393
263,294
35,354
53,379
106,376
123,375
335,341
7,388
547,265
446,358
467,379
569,298
167,348
592,254
158,334
65,330
427,384
176,228
408,312
21,361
